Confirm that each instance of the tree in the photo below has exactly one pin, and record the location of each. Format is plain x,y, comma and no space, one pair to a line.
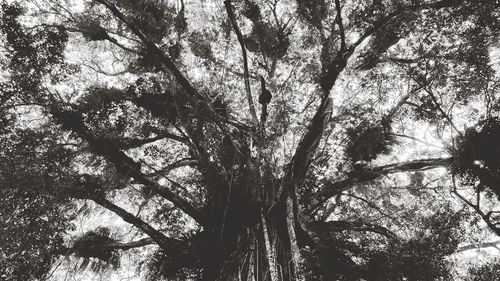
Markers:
139,104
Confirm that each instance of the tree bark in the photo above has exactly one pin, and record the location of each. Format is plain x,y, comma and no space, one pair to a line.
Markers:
296,256
363,176
248,90
271,258
169,244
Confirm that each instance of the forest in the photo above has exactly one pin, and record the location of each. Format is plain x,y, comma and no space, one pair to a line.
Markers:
250,140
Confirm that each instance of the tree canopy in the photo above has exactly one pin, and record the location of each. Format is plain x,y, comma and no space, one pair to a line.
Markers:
250,139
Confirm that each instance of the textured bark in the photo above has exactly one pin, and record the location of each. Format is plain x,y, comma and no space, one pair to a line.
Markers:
302,158
362,176
271,258
171,245
296,256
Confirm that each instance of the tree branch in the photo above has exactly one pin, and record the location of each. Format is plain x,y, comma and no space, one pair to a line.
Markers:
113,246
331,70
371,205
178,164
445,115
401,102
169,244
494,244
232,18
124,165
128,143
302,158
339,226
341,25
486,217
165,60
363,176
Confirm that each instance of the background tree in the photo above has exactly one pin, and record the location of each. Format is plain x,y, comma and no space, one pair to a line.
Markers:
378,147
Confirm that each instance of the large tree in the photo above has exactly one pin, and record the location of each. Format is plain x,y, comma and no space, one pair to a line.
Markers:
250,139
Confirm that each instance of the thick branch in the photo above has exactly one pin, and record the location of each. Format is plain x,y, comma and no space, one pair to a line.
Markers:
338,226
302,158
164,59
494,244
124,165
331,70
130,245
363,176
232,18
128,143
178,164
341,25
169,244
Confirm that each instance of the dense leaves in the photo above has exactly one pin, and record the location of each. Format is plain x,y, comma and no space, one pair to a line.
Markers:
93,245
437,238
312,11
477,155
367,141
489,271
34,207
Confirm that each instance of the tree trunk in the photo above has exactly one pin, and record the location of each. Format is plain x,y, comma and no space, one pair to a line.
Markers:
266,249
271,258
294,247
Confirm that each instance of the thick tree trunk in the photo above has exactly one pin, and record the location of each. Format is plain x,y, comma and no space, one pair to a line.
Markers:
268,249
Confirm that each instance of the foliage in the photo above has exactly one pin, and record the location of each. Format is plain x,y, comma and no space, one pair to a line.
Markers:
422,257
200,46
476,156
154,17
266,38
91,29
92,244
486,272
152,123
368,140
34,208
312,11
162,266
35,53
332,260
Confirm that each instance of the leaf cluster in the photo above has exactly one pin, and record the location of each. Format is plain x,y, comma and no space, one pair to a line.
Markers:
368,140
477,155
92,244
